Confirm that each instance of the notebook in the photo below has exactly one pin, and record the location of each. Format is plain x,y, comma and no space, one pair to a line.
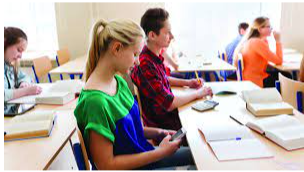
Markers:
31,125
230,141
260,105
285,130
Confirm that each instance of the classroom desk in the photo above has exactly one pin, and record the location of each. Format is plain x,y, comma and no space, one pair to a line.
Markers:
38,154
291,63
202,153
73,67
204,65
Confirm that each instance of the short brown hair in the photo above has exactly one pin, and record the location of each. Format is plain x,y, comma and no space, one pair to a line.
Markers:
153,20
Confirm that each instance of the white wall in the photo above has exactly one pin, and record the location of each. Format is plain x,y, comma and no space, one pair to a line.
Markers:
75,20
292,25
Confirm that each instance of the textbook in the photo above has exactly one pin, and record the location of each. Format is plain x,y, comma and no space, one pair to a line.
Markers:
73,86
267,101
31,125
57,98
230,141
285,130
54,93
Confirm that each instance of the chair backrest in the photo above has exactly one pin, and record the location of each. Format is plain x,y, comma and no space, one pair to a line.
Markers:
290,89
136,91
80,153
41,67
240,67
63,56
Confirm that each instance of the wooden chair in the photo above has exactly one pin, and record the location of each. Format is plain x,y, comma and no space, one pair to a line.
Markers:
63,56
41,67
138,100
80,153
240,67
292,91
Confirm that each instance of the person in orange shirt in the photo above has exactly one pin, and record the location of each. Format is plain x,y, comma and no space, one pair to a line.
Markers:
256,53
301,78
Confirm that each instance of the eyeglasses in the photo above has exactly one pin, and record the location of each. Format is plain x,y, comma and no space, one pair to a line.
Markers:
268,27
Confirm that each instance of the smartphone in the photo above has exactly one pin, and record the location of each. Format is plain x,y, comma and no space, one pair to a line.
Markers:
179,134
13,109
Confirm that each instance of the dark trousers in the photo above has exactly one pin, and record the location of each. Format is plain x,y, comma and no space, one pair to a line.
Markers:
182,157
273,77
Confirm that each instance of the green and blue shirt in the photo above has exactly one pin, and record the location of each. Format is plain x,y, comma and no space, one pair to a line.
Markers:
114,117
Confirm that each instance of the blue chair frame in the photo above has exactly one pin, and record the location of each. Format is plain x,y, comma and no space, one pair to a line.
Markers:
299,96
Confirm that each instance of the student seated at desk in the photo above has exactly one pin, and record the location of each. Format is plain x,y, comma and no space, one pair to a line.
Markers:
231,47
159,105
107,113
16,83
257,54
301,77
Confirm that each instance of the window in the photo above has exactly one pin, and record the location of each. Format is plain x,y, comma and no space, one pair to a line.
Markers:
204,28
37,20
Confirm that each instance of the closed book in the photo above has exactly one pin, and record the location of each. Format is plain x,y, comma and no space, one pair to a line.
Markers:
59,98
31,125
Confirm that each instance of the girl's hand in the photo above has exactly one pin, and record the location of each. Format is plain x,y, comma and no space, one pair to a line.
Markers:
33,90
24,84
277,36
169,147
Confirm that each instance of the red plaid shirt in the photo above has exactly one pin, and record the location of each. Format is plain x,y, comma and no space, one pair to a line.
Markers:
155,92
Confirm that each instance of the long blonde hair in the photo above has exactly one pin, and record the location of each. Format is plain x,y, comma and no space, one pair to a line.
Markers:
122,30
252,32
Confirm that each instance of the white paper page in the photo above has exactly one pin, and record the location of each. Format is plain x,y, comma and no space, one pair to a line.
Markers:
289,133
280,121
262,96
242,149
227,131
73,86
31,99
271,106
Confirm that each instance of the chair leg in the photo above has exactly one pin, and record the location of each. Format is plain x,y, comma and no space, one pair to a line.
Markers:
50,79
36,77
278,86
72,76
300,101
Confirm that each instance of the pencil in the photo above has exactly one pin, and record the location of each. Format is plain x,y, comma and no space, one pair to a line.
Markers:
199,81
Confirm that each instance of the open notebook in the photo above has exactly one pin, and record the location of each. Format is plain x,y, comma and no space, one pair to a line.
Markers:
264,102
31,125
60,92
230,141
285,130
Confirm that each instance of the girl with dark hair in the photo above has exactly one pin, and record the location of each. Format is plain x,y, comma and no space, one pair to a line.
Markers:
16,83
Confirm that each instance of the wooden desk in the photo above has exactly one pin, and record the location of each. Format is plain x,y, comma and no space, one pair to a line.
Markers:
202,153
38,154
76,66
291,63
200,64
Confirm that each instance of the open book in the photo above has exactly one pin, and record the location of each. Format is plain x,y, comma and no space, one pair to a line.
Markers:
31,125
230,141
267,101
285,130
60,92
